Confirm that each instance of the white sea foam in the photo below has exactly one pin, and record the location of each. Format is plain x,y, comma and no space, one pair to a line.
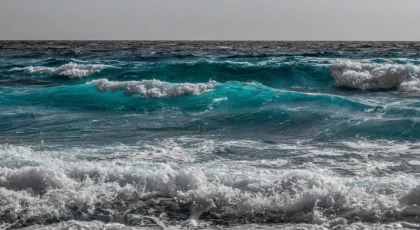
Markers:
125,189
338,223
220,99
37,179
414,162
298,195
72,70
410,86
367,75
154,88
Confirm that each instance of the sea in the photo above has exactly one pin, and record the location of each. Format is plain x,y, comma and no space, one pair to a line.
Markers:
209,135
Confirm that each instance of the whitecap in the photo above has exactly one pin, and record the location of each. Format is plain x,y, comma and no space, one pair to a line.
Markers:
364,75
154,88
71,70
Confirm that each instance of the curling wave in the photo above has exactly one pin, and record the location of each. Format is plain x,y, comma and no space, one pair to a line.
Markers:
154,88
360,75
71,70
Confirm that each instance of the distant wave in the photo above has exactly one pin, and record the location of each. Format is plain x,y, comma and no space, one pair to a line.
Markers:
360,75
154,88
72,70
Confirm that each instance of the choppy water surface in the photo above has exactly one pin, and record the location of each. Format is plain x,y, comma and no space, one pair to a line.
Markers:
235,135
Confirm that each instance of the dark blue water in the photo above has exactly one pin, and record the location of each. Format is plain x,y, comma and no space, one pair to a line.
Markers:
209,134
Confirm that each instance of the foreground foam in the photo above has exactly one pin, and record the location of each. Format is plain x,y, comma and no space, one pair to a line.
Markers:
154,88
364,75
295,196
72,70
143,193
338,223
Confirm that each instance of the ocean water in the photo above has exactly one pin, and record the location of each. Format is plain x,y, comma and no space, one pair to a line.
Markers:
209,135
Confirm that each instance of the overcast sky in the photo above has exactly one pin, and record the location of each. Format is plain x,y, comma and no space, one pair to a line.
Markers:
211,19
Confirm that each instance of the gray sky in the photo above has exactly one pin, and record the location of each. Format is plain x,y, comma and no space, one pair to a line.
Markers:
211,19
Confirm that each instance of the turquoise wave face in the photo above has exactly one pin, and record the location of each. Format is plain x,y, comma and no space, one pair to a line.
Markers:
211,107
230,95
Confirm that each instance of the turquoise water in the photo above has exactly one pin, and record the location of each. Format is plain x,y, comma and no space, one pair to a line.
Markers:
209,134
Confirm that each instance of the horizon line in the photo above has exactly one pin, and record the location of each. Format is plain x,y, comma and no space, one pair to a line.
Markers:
209,40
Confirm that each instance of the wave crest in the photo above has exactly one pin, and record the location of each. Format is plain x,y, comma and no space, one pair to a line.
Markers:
361,75
154,88
71,70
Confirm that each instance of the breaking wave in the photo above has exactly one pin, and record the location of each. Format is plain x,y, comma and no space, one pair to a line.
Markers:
362,75
163,194
154,88
71,70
